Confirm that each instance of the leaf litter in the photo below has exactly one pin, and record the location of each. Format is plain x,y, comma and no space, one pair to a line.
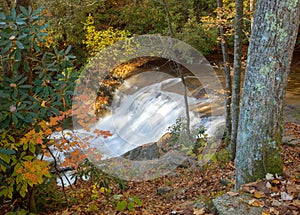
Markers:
190,191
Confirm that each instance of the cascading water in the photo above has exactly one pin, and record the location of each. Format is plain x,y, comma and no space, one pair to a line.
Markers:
142,111
143,117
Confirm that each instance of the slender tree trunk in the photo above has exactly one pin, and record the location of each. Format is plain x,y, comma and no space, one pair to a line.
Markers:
179,70
226,68
270,52
238,27
252,8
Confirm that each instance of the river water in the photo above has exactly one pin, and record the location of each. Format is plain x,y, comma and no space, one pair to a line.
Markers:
145,106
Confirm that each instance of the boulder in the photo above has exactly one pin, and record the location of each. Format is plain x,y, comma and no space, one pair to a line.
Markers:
237,205
145,152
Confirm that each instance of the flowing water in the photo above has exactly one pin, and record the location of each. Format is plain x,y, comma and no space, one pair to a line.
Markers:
144,107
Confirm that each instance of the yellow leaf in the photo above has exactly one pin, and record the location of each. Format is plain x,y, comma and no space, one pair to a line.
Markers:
200,211
258,194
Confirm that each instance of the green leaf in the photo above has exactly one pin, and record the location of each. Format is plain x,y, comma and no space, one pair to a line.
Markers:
28,119
6,158
6,48
116,197
3,164
19,44
19,115
25,146
19,179
32,148
137,201
13,13
37,11
2,16
16,66
22,81
4,42
7,151
23,190
27,86
15,119
34,115
24,11
18,55
121,205
22,36
11,138
26,66
130,206
68,49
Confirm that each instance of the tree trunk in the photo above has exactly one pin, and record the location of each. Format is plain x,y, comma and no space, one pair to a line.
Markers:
226,68
178,70
270,52
252,8
238,33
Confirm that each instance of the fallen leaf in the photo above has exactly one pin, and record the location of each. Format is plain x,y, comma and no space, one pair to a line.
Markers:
259,194
200,211
276,203
273,211
268,185
255,203
275,182
230,193
286,197
296,203
269,176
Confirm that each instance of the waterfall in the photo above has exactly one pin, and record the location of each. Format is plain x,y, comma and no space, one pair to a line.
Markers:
143,117
142,113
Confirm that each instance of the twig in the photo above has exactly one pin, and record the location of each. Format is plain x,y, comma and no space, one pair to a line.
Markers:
61,179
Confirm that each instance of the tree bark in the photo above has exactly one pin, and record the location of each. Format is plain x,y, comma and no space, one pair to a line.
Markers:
226,68
252,9
238,33
270,52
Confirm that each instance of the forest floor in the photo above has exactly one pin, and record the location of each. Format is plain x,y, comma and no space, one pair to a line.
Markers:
190,191
187,191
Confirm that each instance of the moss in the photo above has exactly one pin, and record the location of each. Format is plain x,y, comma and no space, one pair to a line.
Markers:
269,161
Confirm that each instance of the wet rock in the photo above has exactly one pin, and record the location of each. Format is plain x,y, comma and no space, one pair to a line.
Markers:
237,205
146,152
163,190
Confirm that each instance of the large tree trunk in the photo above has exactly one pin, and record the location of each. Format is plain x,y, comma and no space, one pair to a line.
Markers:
270,51
236,87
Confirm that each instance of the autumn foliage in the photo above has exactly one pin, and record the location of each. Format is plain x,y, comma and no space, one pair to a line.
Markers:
36,90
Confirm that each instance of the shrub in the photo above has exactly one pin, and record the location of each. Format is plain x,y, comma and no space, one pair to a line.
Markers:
36,84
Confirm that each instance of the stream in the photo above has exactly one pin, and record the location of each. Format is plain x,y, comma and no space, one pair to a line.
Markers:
145,107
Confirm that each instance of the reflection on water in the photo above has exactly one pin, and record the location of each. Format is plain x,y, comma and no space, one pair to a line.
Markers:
293,88
292,101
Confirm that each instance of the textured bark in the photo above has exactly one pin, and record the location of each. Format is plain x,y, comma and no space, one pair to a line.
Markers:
238,33
226,68
270,51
